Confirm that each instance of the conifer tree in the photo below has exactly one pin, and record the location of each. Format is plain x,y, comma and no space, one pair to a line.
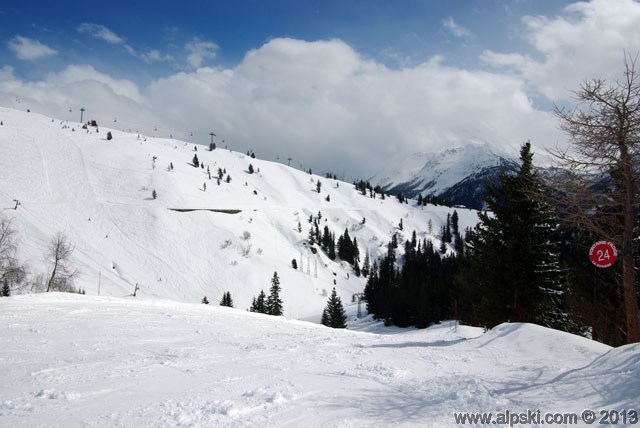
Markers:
226,300
195,161
259,304
334,314
205,301
251,170
511,270
274,303
366,265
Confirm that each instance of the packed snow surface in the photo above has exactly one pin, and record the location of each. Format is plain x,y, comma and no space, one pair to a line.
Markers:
85,361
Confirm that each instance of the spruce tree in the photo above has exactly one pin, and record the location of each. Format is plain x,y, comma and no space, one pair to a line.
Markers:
259,305
511,270
251,170
205,301
195,161
334,314
274,303
226,300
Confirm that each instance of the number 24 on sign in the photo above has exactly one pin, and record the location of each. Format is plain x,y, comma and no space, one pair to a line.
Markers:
603,254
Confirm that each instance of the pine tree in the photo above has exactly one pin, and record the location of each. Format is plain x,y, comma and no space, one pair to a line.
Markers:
511,270
334,314
294,263
318,186
226,300
274,303
154,194
259,304
251,170
205,301
195,161
366,266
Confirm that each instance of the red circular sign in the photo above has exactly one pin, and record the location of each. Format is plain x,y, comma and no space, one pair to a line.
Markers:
603,254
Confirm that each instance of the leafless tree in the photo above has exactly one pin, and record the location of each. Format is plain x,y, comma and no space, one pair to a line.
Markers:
599,173
59,255
11,271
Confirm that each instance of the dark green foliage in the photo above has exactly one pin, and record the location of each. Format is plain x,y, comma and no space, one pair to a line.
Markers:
251,171
195,162
334,314
226,300
511,270
318,186
366,266
274,303
259,304
348,249
205,301
401,225
419,294
109,136
154,194
228,178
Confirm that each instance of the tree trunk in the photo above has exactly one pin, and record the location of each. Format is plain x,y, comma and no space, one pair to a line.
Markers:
630,299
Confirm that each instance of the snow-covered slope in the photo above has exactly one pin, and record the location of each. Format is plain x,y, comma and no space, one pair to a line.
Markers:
85,361
435,173
98,193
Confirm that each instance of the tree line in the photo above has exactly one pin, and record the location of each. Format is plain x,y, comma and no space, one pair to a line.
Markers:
526,259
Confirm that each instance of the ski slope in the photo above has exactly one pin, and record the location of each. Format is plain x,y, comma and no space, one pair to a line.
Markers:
86,361
98,193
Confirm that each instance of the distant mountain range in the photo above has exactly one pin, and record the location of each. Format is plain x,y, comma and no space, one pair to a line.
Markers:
457,175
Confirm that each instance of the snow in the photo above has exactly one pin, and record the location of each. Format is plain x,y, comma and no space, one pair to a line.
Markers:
435,172
98,193
79,361
164,360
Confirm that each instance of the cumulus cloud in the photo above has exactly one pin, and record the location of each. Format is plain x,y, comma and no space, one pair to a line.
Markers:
200,50
101,32
29,49
454,28
587,41
321,103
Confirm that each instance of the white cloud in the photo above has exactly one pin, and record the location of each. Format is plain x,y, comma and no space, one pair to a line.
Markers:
29,49
454,28
587,42
321,103
200,50
150,56
100,32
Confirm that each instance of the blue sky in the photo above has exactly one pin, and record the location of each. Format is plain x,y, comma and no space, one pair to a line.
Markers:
316,78
396,33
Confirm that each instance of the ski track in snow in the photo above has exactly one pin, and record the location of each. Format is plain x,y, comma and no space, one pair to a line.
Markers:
81,361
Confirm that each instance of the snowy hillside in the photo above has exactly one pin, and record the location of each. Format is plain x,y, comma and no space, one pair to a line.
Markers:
231,236
84,361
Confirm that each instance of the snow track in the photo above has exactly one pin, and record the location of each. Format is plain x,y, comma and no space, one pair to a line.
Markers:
79,361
